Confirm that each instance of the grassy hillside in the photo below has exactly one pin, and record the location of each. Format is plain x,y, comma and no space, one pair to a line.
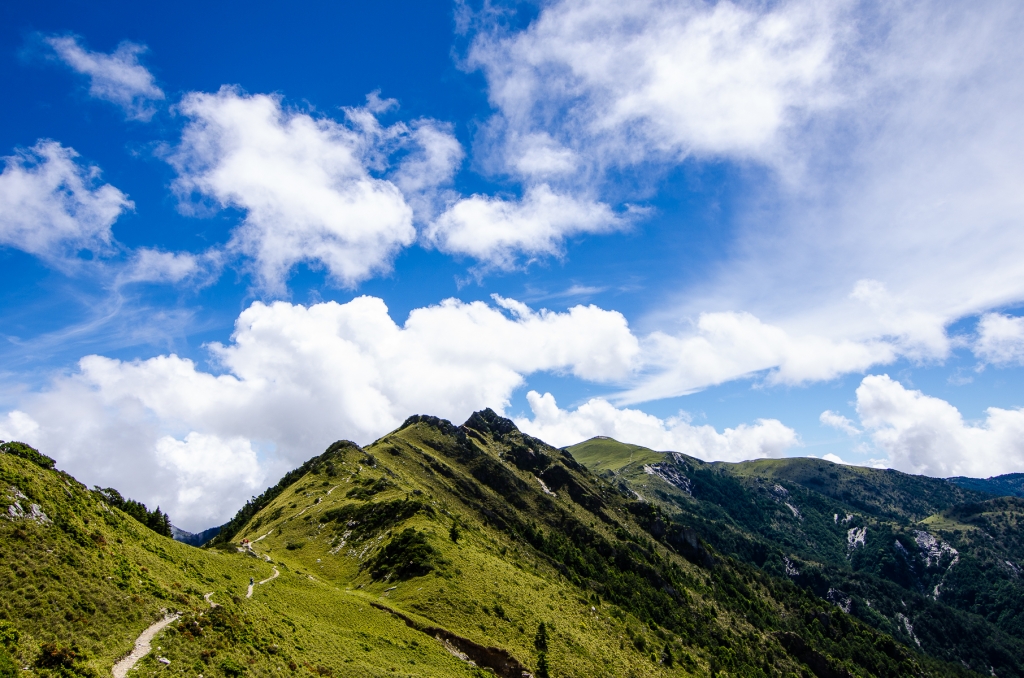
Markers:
606,454
81,580
438,550
933,564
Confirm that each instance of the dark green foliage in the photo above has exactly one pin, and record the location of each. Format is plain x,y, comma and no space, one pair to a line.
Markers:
156,520
747,511
231,668
543,671
63,661
540,640
368,489
405,556
1011,484
27,452
9,635
369,518
453,532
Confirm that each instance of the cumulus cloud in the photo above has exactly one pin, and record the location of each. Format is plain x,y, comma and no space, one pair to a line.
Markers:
294,379
618,83
598,417
16,425
838,422
117,77
52,206
1000,339
305,183
497,231
927,435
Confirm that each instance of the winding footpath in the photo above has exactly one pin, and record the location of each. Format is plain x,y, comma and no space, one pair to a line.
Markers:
142,646
270,578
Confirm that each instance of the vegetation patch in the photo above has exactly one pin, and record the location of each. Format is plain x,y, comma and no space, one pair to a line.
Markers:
407,555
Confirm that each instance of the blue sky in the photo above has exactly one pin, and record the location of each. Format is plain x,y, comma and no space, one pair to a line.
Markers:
232,235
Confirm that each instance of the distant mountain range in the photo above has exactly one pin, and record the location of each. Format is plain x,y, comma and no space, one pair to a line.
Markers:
1009,485
197,539
445,550
935,564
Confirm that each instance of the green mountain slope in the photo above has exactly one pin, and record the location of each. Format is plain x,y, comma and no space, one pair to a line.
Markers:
931,563
81,580
436,551
1008,485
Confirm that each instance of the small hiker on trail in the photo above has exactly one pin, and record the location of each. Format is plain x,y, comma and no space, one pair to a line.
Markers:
251,582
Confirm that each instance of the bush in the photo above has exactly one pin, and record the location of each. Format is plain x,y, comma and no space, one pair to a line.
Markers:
231,668
407,555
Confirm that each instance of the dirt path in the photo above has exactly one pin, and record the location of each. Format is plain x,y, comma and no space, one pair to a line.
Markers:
142,646
206,597
272,577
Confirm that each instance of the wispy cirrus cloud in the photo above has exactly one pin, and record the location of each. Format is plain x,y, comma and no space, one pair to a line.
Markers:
117,77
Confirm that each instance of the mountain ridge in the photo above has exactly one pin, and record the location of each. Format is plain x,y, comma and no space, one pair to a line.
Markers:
436,550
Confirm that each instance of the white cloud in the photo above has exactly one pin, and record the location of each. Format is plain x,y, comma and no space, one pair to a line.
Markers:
911,195
17,425
497,231
294,379
305,183
726,346
1000,339
157,266
54,207
597,417
622,82
839,422
927,435
203,464
834,458
884,142
117,77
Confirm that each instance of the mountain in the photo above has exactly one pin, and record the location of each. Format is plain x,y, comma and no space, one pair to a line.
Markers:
1009,485
933,563
194,539
438,550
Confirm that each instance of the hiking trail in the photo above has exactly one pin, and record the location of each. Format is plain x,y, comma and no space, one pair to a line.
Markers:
272,577
142,646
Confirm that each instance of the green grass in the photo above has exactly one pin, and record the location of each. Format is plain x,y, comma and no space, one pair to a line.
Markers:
607,454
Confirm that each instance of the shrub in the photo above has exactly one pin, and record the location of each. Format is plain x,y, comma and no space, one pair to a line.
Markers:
407,555
231,668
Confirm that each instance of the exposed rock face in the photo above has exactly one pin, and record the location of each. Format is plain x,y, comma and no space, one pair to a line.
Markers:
15,511
670,475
